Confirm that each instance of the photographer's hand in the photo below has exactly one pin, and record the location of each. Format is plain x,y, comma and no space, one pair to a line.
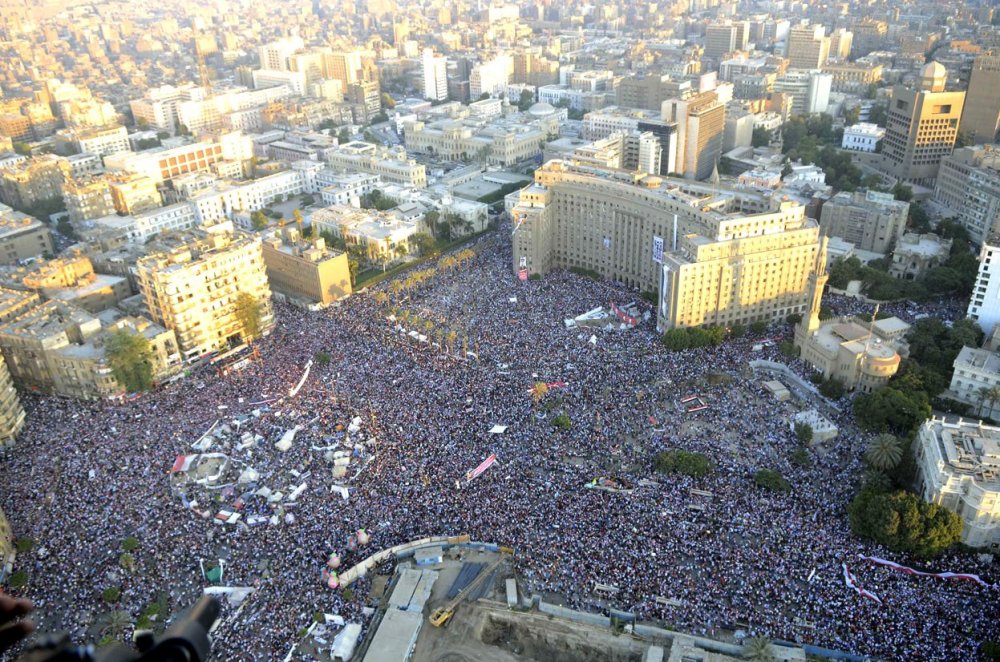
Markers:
11,629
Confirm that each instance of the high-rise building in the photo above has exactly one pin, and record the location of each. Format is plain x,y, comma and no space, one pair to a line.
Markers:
39,179
869,35
701,126
870,220
11,423
968,184
193,290
305,268
87,199
984,306
726,257
808,47
921,127
345,66
809,90
719,40
275,54
490,77
981,116
435,69
840,44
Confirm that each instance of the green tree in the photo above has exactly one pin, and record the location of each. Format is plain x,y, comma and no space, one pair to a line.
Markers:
771,480
890,410
884,452
424,243
24,149
131,360
832,388
526,100
761,137
111,594
759,327
691,464
676,339
248,314
388,101
19,579
258,221
343,136
562,422
758,649
130,544
902,192
804,433
903,522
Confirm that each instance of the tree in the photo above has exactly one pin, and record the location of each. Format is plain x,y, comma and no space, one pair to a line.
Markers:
248,314
771,480
804,433
424,243
761,137
484,96
890,410
691,464
902,192
297,217
903,522
24,149
758,649
676,339
562,422
759,327
388,101
258,221
130,544
526,100
343,136
539,391
832,388
131,360
111,594
431,220
19,579
884,452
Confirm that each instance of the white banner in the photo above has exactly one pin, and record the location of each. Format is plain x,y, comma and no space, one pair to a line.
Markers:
658,249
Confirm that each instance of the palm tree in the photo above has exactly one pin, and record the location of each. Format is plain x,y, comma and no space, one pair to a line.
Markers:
115,623
758,649
983,393
539,391
452,336
381,297
396,287
993,397
884,452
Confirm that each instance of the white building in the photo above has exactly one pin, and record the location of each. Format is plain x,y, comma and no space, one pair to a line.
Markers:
984,306
491,77
346,188
384,235
862,137
158,108
391,164
294,80
103,141
959,469
275,54
810,90
977,371
435,69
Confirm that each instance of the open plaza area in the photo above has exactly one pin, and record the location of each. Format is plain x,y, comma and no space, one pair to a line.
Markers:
350,434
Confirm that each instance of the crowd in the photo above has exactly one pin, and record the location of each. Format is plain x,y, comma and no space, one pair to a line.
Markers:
84,476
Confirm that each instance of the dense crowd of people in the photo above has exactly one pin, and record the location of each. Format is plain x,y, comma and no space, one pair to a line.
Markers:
85,476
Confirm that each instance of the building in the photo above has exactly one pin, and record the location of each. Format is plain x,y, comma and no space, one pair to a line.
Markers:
87,199
853,77
701,126
841,41
224,154
871,220
304,268
390,164
809,90
976,375
384,235
132,194
101,141
22,236
861,354
503,141
345,67
40,179
984,306
490,77
862,137
619,223
808,47
968,184
723,39
296,81
72,280
193,290
275,55
158,109
367,95
59,349
916,254
435,72
958,467
11,423
921,128
981,114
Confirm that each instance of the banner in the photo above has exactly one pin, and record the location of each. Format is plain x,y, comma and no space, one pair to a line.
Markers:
523,274
853,583
910,571
623,316
658,249
486,464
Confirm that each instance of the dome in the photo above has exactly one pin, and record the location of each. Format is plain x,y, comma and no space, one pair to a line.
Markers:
541,109
933,69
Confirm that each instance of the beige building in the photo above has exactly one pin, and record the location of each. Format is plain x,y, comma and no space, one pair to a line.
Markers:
72,280
861,354
701,128
87,199
921,128
193,289
808,47
132,194
11,423
504,141
58,348
39,179
981,115
958,467
385,235
853,77
22,236
976,374
871,220
916,254
392,165
968,184
305,268
728,256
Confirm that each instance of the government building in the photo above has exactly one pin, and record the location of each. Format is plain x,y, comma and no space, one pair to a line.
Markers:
716,255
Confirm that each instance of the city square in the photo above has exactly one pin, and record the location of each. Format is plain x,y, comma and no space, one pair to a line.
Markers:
90,475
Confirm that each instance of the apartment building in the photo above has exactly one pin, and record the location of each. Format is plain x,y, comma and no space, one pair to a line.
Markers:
71,280
11,423
88,198
976,374
968,184
39,179
101,141
701,127
808,47
717,255
385,235
391,164
853,77
22,236
871,220
305,268
193,290
981,114
162,165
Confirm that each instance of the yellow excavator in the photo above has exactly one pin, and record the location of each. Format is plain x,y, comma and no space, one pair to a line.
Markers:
442,615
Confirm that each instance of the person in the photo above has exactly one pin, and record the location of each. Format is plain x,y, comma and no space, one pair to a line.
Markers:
13,628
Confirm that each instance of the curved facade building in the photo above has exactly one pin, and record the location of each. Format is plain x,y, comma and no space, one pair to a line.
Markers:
11,412
715,255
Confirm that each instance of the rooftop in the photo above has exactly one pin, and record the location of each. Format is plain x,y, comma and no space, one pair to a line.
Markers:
969,448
